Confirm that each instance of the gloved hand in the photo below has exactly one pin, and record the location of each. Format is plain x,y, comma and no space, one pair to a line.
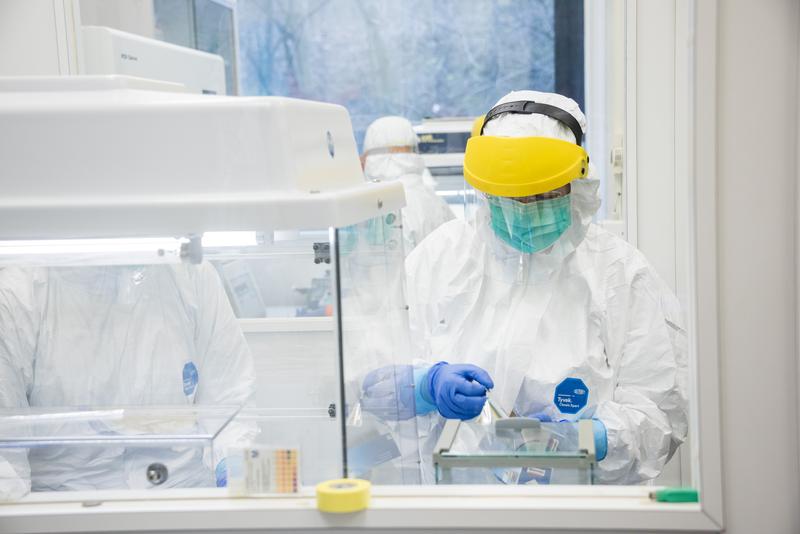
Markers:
457,390
598,429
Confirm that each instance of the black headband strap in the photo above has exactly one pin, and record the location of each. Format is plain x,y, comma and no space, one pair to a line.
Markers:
528,107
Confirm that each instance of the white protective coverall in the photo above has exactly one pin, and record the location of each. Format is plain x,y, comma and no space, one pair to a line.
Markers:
590,307
116,336
424,211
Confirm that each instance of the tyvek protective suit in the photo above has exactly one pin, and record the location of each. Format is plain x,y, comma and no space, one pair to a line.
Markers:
582,329
116,336
390,154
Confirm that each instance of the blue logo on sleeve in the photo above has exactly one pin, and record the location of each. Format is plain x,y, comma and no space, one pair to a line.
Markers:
190,378
571,395
221,474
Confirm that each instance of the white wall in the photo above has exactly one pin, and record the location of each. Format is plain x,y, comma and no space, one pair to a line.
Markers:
37,37
651,115
756,201
756,178
655,110
31,30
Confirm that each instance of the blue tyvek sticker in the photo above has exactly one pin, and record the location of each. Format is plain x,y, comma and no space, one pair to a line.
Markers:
571,395
221,473
190,378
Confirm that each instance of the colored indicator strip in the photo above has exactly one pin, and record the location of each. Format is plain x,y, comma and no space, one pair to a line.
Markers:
285,472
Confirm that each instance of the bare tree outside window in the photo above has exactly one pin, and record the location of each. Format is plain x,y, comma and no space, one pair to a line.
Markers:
415,58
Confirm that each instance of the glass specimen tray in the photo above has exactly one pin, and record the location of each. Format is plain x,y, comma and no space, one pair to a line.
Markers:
135,425
515,450
148,447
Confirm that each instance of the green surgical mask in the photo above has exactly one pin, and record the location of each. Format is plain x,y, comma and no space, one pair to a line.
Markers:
530,227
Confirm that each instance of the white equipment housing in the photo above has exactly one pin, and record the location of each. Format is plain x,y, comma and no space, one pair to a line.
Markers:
435,129
114,156
108,51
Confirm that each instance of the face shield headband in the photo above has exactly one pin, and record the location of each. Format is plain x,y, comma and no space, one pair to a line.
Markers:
528,107
524,166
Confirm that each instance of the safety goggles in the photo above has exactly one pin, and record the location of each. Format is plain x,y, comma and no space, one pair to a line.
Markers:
387,150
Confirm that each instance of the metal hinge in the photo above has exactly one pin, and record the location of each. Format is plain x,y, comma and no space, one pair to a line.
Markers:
617,176
322,252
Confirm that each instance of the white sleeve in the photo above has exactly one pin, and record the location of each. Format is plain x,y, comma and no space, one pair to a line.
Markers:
227,371
18,332
646,345
226,364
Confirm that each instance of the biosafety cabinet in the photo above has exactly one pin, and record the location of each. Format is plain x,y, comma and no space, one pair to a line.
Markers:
194,290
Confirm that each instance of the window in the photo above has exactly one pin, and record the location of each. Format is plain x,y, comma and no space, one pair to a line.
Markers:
206,25
426,61
418,59
378,58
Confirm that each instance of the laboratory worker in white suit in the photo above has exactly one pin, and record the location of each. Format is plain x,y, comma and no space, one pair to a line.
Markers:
390,153
102,337
561,319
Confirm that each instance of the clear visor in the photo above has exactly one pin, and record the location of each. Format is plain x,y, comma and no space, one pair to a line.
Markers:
555,193
531,224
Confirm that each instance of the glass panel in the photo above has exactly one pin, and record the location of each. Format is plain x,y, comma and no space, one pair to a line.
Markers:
456,60
312,433
59,448
280,285
203,25
381,430
306,332
289,276
120,376
450,184
118,425
214,31
174,21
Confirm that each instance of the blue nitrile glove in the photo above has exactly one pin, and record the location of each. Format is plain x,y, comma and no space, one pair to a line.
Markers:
600,439
457,390
388,392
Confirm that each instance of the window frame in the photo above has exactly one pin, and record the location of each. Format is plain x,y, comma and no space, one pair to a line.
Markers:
496,508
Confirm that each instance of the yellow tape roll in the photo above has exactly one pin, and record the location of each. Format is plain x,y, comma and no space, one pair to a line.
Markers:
343,495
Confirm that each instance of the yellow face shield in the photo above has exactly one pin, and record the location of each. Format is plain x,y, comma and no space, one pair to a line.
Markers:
522,166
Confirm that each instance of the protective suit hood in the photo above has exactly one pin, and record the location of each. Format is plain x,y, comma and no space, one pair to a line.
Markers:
390,145
585,199
535,125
